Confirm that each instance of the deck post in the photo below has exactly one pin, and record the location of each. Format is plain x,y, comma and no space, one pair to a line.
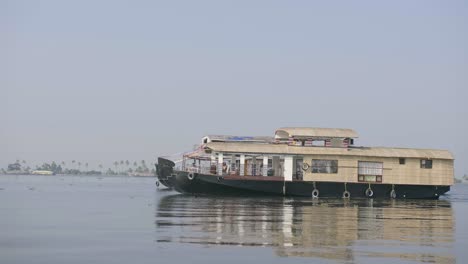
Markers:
276,165
213,158
220,163
242,165
265,166
232,166
253,170
288,168
212,168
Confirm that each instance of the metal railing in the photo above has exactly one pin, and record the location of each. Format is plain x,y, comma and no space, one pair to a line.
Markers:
249,170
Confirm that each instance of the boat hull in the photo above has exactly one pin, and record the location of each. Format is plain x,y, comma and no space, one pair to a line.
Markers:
217,185
164,170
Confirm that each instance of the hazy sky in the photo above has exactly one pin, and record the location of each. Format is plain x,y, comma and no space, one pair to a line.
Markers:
111,80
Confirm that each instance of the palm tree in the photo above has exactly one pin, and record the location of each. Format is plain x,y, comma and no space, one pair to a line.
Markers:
135,164
73,161
116,163
86,165
139,169
127,163
63,164
100,167
79,165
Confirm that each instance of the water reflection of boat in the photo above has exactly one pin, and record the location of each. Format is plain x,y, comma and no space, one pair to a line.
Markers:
325,229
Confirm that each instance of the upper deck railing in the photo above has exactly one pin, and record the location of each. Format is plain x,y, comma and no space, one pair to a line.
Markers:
249,170
335,142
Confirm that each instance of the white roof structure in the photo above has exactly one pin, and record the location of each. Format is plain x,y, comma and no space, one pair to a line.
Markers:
314,132
227,138
284,149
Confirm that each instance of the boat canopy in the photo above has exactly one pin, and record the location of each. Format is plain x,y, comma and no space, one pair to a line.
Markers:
283,149
314,132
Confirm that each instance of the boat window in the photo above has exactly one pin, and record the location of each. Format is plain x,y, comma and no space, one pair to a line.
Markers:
402,161
318,143
297,143
324,166
426,164
370,171
370,178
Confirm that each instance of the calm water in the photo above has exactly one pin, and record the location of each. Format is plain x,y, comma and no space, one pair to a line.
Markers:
85,219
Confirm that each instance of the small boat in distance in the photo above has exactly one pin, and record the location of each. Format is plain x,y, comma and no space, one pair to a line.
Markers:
42,172
311,162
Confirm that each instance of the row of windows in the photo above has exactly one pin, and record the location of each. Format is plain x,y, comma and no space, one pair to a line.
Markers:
425,163
364,167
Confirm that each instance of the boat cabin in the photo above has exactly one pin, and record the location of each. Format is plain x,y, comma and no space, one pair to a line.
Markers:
318,154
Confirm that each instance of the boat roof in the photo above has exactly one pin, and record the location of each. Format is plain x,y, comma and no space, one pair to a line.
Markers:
314,132
284,149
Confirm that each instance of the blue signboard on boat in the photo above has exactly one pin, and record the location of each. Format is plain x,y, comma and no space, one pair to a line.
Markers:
237,138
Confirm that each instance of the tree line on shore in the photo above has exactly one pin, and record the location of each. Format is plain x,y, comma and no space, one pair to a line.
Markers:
79,168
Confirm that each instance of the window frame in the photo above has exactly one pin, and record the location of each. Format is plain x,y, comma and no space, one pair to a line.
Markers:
426,163
375,178
333,169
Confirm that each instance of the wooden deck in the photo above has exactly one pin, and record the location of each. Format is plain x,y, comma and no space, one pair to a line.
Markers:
253,178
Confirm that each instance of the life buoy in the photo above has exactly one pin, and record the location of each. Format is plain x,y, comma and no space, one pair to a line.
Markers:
369,192
393,194
191,175
346,195
315,193
157,183
305,166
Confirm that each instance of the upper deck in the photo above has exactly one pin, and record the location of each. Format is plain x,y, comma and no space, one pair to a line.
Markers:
312,141
284,149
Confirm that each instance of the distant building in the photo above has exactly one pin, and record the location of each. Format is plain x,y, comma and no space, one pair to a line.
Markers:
464,179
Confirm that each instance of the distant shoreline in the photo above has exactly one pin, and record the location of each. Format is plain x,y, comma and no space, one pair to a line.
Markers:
83,174
124,168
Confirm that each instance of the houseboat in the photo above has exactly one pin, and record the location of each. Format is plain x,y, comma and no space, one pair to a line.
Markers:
311,162
42,172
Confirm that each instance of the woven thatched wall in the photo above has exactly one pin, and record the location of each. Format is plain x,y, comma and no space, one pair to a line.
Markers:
411,172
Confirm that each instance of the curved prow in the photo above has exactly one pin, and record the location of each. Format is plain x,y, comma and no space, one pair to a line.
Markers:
164,170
